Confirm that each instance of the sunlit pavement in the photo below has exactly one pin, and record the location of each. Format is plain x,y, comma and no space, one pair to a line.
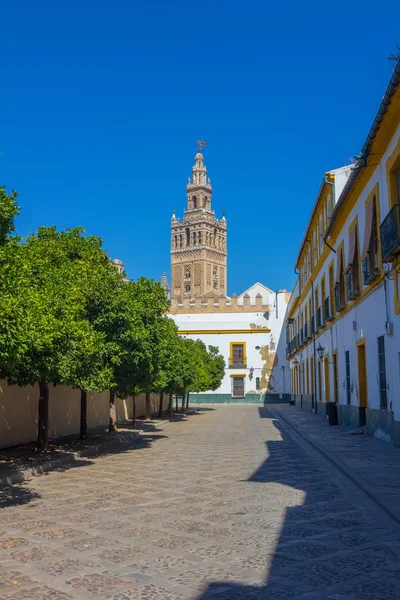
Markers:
229,504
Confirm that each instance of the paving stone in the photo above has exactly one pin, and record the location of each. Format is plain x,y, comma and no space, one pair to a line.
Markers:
226,505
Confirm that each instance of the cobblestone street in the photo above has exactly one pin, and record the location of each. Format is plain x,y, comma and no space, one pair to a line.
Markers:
230,504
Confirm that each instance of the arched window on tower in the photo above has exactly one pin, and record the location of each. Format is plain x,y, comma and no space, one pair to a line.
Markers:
187,236
205,201
194,200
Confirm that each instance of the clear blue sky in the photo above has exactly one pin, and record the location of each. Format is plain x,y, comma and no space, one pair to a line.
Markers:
102,102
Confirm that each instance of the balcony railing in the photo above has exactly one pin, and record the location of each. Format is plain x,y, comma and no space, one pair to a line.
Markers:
353,287
238,363
370,268
327,309
390,234
339,297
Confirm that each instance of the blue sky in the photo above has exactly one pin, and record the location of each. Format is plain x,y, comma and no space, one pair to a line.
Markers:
102,102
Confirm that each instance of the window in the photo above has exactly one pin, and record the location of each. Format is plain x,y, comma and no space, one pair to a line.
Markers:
257,383
238,387
370,257
382,372
340,300
237,357
194,201
323,300
352,271
187,231
187,289
348,390
205,201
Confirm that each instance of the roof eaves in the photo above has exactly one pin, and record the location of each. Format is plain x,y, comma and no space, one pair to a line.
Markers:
394,82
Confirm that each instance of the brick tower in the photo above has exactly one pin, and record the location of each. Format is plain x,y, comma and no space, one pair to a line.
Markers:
198,241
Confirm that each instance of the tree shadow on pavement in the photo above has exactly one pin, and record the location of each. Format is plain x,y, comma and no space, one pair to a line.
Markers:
318,521
14,495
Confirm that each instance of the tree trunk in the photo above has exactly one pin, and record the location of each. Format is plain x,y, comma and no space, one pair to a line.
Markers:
187,401
169,409
113,414
183,401
134,410
161,405
83,432
176,404
148,407
43,421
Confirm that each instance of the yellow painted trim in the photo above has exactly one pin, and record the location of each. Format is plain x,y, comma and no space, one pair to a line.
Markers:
238,375
341,247
375,194
221,331
361,342
231,344
314,274
392,164
353,225
366,292
293,307
383,136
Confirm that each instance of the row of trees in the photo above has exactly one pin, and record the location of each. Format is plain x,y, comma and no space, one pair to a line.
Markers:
68,317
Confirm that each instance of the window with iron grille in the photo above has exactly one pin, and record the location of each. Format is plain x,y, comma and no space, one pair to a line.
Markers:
348,390
382,372
371,262
237,387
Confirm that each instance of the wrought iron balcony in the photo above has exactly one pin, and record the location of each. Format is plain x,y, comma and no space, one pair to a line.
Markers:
353,287
370,268
339,297
390,234
327,309
238,363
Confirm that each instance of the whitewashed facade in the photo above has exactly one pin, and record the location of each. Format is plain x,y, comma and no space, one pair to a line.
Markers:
262,367
343,325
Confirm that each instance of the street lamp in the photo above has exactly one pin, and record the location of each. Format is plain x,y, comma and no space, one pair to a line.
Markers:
320,351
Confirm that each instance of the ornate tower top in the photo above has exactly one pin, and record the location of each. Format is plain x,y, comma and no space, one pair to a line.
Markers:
198,241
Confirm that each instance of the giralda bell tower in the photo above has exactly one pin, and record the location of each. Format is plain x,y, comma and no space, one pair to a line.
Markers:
198,241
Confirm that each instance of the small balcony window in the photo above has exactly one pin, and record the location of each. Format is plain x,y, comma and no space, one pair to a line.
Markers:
340,297
237,359
327,309
370,254
352,271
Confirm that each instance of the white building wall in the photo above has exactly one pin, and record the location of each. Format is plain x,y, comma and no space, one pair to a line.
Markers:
264,349
366,319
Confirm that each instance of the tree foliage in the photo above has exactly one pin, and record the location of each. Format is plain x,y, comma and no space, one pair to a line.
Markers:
68,317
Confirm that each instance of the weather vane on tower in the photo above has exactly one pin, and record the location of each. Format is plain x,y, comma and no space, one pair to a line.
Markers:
200,144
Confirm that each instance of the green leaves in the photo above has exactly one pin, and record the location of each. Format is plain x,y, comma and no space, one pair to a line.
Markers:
9,209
